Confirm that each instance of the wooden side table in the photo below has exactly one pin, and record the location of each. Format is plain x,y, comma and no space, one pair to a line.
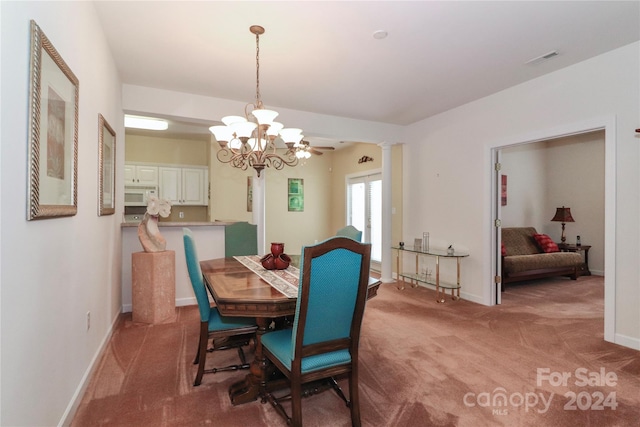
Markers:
565,247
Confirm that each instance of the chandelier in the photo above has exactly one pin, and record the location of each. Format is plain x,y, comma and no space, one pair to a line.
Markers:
250,141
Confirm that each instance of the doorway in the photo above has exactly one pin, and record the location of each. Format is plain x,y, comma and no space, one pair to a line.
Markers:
364,210
606,126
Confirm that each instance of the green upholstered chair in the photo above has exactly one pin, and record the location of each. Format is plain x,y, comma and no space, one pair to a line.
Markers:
323,342
237,331
240,238
351,232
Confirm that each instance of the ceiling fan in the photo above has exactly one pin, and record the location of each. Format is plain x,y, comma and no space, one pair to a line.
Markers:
305,147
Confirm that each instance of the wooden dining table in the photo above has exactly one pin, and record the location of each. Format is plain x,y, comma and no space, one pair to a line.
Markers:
239,292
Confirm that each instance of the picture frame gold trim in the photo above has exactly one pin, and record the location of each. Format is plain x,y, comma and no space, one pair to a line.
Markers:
53,132
106,168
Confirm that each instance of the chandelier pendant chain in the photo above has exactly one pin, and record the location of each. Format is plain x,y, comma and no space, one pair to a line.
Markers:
258,97
259,133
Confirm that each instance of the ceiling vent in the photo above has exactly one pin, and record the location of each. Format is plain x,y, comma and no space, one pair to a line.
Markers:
544,57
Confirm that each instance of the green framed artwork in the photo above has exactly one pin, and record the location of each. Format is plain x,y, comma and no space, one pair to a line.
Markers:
295,197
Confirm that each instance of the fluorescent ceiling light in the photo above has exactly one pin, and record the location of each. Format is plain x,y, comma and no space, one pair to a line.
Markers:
150,123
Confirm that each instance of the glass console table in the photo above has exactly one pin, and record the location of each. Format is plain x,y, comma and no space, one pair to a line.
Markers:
417,277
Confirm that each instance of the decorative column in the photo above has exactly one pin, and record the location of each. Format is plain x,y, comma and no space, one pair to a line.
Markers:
386,275
153,287
259,209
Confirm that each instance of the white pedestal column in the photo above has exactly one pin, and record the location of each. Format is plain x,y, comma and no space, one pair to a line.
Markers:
259,209
386,275
154,287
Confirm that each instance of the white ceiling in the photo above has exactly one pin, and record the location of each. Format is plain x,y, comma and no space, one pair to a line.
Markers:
321,56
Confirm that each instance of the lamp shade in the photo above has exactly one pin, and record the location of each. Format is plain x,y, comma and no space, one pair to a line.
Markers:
264,117
222,133
243,129
563,215
274,128
291,135
229,120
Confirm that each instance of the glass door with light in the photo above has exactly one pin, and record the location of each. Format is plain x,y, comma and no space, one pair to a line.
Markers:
364,211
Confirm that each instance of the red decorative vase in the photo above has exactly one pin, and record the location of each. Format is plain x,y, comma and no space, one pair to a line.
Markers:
268,261
277,249
282,261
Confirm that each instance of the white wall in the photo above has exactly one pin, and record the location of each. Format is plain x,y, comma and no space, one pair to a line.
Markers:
575,178
524,166
448,163
138,99
54,271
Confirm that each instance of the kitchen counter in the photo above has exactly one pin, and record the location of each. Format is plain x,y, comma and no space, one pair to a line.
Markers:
209,238
180,224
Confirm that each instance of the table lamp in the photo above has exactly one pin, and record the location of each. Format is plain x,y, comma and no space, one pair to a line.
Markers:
563,215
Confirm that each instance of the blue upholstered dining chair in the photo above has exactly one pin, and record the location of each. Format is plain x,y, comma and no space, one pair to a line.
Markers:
240,238
351,232
236,330
323,342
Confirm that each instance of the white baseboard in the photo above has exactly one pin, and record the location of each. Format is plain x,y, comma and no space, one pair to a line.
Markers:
626,341
72,407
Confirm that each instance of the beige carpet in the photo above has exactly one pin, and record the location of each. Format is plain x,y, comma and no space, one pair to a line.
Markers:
422,364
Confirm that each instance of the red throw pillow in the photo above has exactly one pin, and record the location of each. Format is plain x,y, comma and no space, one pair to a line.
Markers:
504,250
545,243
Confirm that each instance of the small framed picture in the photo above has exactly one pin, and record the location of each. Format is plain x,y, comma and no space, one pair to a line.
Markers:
295,197
295,186
296,204
53,132
106,167
503,190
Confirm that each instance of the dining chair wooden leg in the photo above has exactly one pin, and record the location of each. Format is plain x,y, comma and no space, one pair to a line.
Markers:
201,357
197,358
296,402
354,399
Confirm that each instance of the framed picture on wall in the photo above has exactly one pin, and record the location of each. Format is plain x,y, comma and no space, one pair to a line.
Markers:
106,168
503,190
295,198
53,132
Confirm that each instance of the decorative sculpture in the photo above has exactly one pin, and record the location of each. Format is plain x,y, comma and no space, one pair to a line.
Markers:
148,231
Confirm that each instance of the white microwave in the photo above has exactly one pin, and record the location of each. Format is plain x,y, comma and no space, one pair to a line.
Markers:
138,196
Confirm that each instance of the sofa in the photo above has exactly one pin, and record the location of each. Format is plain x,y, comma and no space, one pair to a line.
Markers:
527,254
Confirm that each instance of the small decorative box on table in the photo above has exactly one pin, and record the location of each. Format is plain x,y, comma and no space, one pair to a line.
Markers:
415,278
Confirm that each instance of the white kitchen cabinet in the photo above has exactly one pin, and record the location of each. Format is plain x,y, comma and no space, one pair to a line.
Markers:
140,175
184,186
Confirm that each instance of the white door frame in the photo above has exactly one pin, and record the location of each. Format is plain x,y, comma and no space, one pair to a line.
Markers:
608,124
